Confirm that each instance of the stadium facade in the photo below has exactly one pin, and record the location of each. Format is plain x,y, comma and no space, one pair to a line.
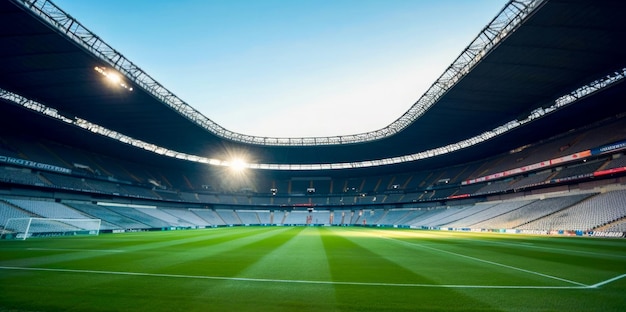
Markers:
525,131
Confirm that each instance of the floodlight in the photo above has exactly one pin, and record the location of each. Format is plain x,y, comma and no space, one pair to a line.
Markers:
238,164
113,77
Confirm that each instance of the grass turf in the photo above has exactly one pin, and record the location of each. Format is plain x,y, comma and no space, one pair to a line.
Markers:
312,269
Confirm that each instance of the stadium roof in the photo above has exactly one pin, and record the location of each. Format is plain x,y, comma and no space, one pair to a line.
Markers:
556,49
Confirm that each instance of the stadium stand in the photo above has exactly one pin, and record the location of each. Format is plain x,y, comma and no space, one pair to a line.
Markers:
47,209
105,187
321,217
229,216
619,226
391,217
168,218
21,176
558,181
66,182
186,216
578,170
265,217
419,186
618,161
586,215
296,218
248,217
486,214
140,215
210,216
8,211
115,220
532,210
530,180
438,217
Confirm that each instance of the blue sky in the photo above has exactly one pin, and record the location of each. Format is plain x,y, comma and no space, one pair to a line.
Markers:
294,68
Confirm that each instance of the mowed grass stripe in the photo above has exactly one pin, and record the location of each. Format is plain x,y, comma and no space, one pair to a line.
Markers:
82,291
153,253
577,268
441,267
556,263
493,263
532,244
389,273
148,282
223,257
302,257
354,256
293,266
253,280
133,243
354,262
231,262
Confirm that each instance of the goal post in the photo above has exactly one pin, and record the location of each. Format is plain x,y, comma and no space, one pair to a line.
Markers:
23,228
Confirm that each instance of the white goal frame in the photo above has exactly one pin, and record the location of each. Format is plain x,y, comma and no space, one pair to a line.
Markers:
23,228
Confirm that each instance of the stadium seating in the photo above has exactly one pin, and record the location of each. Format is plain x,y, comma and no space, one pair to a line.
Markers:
47,209
187,216
618,162
498,209
168,218
265,217
249,217
417,199
586,215
111,220
296,218
20,176
229,216
210,216
8,211
141,216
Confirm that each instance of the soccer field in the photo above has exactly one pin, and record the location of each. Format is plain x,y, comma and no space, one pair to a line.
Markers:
312,269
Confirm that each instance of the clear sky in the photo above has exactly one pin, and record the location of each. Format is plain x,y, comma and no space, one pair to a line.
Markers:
296,68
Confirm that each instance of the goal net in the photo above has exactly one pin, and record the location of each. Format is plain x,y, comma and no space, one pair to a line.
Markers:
23,228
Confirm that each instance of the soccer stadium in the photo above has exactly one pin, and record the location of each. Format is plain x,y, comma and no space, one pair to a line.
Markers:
501,188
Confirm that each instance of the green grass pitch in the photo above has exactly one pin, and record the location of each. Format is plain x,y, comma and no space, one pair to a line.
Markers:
312,269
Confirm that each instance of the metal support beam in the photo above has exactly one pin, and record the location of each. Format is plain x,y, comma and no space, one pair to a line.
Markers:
594,86
506,22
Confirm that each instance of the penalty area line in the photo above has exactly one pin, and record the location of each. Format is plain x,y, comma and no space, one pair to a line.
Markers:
265,280
610,280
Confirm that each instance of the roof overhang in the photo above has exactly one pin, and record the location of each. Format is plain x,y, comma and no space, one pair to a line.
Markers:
560,47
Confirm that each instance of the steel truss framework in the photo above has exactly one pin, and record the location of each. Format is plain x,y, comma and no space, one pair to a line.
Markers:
605,81
507,21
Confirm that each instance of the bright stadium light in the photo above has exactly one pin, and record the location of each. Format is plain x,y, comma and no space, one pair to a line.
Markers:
113,77
238,164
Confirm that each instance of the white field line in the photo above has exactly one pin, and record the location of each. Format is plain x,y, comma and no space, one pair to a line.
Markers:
487,261
610,280
266,280
70,249
526,245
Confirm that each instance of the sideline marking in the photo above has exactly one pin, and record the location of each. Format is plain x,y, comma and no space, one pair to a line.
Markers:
245,279
69,249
